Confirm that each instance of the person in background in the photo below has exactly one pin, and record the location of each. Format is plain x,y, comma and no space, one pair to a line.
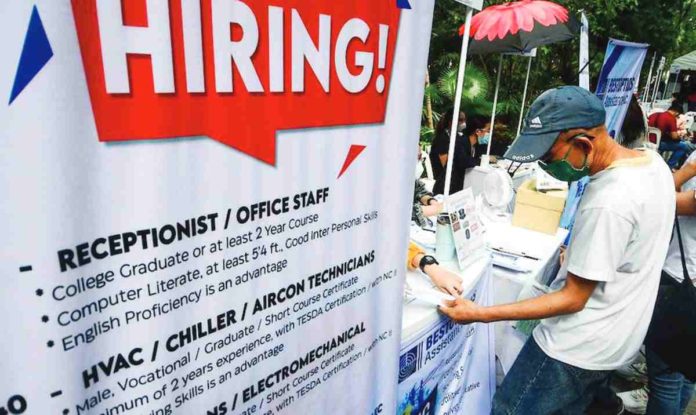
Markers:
424,205
446,281
439,153
669,392
597,314
479,132
634,128
691,99
467,152
666,122
683,132
675,98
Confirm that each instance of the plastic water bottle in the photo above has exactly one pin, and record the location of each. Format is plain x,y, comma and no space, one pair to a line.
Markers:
444,239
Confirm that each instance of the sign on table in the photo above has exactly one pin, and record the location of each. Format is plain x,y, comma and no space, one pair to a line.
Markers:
467,228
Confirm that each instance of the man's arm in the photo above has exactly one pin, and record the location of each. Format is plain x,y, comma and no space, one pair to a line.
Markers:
673,130
686,203
600,237
683,175
570,299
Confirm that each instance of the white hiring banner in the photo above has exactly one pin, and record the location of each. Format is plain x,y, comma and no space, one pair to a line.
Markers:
206,204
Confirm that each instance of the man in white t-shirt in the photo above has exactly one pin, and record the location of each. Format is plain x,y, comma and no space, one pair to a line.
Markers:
597,315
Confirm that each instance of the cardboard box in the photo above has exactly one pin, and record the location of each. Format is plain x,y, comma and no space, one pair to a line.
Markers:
538,211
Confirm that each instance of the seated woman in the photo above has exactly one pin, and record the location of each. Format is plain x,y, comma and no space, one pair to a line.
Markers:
471,136
439,151
446,281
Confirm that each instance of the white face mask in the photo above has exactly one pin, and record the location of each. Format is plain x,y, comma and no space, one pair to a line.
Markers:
419,169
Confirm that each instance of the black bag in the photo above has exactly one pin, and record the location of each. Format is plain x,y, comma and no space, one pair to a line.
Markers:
672,331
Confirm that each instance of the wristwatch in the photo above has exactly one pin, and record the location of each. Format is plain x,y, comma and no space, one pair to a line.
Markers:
427,260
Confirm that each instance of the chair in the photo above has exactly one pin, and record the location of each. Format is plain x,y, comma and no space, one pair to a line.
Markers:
690,121
654,136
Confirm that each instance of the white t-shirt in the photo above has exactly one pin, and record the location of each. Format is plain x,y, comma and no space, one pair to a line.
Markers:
620,239
687,224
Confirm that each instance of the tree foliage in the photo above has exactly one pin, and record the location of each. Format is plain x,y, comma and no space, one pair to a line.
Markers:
668,26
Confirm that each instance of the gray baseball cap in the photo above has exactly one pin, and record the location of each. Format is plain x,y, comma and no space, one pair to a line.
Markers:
556,110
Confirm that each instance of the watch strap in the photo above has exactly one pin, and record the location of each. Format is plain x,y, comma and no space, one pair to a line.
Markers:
427,260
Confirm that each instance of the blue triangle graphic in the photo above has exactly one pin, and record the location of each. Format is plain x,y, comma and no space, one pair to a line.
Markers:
403,4
35,54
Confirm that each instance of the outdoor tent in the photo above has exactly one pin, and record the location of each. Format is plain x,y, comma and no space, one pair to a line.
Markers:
686,62
680,66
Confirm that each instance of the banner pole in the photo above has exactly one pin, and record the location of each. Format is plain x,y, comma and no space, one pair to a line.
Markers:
664,91
656,85
658,81
457,100
584,58
495,105
524,97
646,90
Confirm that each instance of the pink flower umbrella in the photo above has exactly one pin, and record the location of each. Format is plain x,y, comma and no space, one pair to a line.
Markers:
520,26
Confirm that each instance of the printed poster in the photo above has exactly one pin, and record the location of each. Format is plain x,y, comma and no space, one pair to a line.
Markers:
206,204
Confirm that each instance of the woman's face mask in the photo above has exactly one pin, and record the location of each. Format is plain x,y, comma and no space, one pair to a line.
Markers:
484,139
562,169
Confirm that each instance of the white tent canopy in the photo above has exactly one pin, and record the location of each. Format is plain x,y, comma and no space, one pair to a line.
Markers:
686,62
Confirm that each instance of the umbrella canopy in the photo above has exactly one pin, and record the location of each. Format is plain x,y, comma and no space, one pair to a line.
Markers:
520,26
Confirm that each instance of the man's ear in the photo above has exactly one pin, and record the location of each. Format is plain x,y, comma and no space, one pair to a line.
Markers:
585,143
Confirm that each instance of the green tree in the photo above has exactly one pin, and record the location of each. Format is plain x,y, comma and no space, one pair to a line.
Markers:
669,26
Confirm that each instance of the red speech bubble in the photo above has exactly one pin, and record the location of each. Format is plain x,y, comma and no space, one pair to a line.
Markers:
236,71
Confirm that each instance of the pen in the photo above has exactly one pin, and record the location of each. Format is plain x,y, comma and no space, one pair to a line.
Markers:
519,254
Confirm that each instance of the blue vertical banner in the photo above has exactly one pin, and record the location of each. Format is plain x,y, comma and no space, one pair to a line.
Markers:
619,79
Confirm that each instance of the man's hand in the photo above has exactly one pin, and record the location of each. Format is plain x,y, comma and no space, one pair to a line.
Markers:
460,310
446,281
